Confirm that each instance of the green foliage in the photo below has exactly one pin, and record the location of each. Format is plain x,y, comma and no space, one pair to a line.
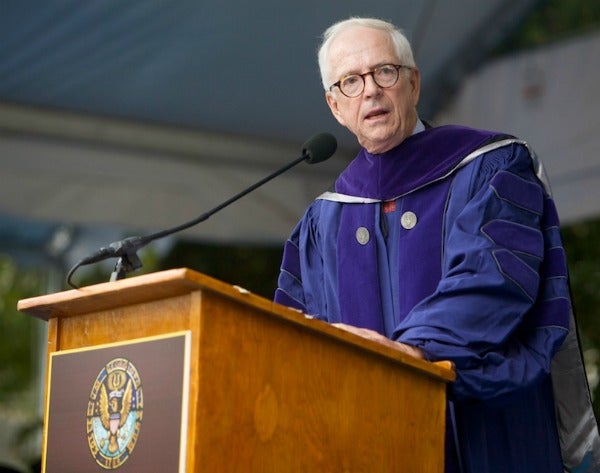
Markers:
554,20
18,356
583,255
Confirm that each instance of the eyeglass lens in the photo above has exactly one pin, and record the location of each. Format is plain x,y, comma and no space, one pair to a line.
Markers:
384,76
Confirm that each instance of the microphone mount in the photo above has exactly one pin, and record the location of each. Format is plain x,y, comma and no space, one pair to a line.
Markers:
318,148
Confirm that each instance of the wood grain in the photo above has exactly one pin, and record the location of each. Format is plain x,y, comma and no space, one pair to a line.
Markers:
271,390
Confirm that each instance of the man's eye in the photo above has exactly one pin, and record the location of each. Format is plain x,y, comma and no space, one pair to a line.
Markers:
386,71
350,80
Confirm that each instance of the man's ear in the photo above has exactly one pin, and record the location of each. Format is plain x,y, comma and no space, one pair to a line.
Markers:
333,106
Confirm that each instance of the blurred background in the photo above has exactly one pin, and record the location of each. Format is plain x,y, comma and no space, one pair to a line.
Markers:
125,118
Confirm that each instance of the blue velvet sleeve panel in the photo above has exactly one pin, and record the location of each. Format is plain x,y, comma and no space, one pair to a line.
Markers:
289,285
501,309
307,278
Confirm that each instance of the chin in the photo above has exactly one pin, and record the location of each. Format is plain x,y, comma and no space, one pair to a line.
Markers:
381,146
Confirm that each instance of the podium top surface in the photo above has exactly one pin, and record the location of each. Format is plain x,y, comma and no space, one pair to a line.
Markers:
110,295
178,282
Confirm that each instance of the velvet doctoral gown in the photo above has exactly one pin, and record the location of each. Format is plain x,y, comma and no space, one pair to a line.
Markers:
450,242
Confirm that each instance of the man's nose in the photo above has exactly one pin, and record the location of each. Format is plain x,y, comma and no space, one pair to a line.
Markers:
371,87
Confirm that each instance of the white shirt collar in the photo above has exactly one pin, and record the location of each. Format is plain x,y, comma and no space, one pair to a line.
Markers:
419,127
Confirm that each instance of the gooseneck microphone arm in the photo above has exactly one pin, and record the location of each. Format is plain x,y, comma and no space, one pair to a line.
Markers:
315,150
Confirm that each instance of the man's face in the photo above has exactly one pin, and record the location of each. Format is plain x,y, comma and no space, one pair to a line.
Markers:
380,118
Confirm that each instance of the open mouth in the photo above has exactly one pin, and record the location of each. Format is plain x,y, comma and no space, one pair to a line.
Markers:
376,113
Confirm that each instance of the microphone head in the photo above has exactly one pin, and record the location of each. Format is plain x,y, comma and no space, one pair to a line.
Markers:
319,148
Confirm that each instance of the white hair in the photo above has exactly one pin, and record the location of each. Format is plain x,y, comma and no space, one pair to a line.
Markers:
401,44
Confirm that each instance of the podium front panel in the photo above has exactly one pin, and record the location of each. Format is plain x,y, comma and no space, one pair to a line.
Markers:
119,407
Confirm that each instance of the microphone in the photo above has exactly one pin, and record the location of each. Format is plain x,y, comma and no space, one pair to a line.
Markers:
316,149
319,148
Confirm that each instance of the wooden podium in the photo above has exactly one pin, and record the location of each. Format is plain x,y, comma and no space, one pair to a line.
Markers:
231,382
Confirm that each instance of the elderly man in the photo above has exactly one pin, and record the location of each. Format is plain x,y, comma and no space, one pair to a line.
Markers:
445,242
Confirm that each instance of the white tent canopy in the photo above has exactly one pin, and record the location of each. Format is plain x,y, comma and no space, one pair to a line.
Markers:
549,97
147,178
142,115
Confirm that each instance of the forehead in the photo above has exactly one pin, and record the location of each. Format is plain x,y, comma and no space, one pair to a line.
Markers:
358,49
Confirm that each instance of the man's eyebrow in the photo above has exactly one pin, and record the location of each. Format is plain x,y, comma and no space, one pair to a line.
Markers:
357,72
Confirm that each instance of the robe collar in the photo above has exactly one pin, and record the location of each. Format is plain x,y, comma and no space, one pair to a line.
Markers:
419,160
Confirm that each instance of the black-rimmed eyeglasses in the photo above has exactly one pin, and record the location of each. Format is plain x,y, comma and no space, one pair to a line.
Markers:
384,76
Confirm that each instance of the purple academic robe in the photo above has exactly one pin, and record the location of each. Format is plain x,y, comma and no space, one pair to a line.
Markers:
450,242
